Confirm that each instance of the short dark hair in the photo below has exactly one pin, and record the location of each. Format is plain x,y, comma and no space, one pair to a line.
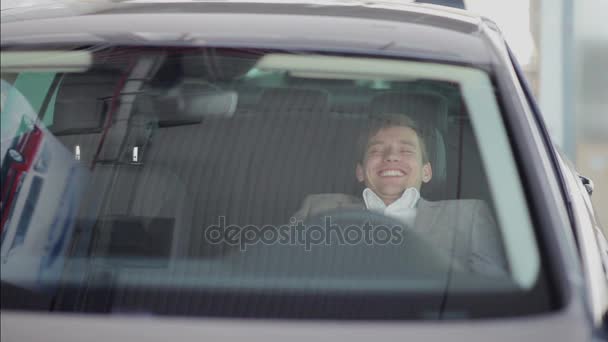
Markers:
382,121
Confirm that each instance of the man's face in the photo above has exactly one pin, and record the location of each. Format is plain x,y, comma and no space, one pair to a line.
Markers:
393,163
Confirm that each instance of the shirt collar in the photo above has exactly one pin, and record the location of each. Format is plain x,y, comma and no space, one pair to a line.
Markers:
409,199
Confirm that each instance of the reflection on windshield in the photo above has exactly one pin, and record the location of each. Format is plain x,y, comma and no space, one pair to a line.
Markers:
41,190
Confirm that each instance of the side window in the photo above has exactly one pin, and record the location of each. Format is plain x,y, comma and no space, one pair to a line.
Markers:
35,87
9,77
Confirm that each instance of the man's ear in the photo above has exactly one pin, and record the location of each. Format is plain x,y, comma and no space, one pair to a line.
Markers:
427,173
359,173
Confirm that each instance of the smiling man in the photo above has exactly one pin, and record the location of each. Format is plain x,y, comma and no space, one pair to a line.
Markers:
393,166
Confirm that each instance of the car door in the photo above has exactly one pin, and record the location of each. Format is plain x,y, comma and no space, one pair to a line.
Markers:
590,239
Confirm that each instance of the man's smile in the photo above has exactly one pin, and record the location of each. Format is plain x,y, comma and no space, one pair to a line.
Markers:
391,173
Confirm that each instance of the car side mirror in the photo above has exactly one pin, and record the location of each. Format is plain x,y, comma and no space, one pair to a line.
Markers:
588,183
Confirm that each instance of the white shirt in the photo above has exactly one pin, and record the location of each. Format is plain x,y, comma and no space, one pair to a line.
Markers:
403,209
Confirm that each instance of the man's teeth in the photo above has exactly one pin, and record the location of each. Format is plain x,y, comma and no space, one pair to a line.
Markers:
390,173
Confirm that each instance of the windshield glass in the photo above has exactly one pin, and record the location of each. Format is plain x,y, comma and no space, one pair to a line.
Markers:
260,183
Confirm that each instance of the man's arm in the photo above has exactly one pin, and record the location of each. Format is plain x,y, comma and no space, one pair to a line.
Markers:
303,213
319,203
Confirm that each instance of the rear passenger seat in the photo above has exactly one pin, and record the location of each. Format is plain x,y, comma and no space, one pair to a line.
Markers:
304,153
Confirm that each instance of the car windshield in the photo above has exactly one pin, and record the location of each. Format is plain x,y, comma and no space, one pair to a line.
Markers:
260,183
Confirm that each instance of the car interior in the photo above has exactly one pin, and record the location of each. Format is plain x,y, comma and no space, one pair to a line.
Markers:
212,142
208,136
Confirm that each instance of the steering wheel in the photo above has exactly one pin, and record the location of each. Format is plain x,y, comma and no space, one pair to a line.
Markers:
407,249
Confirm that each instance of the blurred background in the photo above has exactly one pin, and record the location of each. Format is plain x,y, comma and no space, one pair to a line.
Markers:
563,48
561,44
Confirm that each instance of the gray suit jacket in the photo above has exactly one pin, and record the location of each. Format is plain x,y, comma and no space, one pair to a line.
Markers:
462,230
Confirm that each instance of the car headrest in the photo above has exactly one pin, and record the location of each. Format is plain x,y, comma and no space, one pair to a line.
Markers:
280,100
430,112
427,109
82,102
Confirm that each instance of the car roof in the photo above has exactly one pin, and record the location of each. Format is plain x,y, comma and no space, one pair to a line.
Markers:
370,27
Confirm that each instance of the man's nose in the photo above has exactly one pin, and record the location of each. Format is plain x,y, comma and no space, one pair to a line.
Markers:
391,154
